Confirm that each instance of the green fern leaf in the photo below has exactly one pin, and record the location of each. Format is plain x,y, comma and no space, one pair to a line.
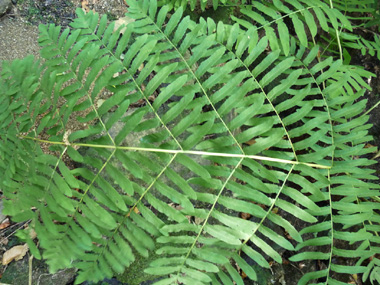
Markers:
198,123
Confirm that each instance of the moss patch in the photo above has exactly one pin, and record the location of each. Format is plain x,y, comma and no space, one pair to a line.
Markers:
135,275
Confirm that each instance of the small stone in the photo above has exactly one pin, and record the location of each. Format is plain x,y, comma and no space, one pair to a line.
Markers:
4,6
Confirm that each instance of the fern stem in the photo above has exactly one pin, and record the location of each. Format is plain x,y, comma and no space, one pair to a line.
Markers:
271,207
199,83
328,111
299,11
269,101
371,109
174,151
131,209
209,214
80,202
150,186
151,106
30,270
337,37
332,229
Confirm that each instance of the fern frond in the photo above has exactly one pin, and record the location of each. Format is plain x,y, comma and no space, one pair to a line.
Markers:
20,105
299,16
199,4
362,15
352,6
180,127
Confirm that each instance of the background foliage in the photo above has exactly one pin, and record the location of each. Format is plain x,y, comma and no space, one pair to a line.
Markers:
200,122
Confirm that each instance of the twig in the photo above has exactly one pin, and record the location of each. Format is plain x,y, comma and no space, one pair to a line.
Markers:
30,269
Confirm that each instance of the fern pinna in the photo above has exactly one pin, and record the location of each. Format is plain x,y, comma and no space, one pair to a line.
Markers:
223,123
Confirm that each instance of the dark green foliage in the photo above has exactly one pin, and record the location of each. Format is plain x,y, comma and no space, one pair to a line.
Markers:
239,121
